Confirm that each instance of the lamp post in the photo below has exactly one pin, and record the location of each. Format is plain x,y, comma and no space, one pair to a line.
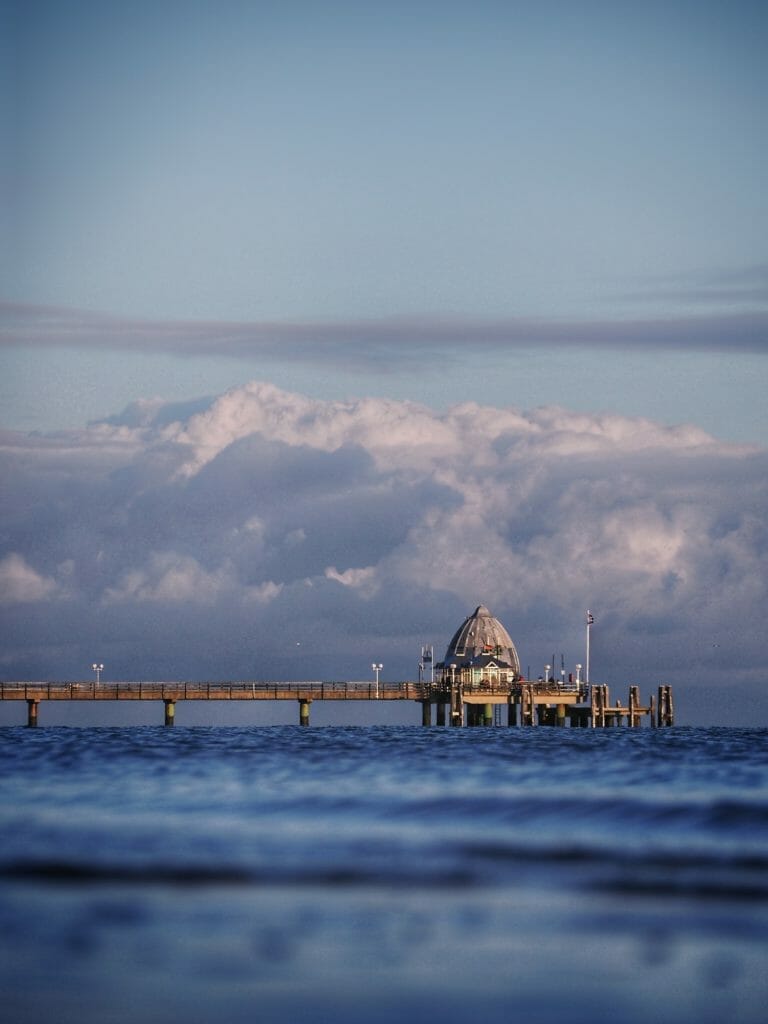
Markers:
546,673
578,676
562,678
377,667
98,669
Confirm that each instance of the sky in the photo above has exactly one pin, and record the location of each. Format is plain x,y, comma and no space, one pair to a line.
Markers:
321,324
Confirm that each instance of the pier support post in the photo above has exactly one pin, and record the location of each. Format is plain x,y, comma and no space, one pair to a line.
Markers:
457,706
426,712
527,706
32,713
512,711
488,714
560,716
304,703
440,713
170,711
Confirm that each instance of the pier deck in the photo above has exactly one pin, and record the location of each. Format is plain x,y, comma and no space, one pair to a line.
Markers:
538,703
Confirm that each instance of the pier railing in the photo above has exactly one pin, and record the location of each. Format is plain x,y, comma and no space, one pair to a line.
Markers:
250,690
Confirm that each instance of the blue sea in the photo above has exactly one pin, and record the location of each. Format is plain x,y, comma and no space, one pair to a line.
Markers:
352,874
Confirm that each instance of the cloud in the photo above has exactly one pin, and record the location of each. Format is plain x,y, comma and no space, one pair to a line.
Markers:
746,286
265,534
20,584
407,340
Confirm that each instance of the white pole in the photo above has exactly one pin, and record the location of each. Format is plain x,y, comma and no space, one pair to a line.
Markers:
590,620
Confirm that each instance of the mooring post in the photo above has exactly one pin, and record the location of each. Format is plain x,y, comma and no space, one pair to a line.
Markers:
32,713
170,711
304,703
605,718
634,704
426,712
666,714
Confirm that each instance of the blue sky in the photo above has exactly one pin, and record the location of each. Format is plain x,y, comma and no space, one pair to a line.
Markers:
545,222
345,163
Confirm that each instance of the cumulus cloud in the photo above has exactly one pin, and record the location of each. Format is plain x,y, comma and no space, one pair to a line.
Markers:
265,534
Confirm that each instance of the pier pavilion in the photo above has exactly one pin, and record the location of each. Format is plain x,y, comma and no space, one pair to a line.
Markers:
480,652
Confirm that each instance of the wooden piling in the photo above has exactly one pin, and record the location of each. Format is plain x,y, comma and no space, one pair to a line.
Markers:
32,706
512,711
304,711
666,714
426,712
170,711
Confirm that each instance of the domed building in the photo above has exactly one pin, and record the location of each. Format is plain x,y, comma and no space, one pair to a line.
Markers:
481,651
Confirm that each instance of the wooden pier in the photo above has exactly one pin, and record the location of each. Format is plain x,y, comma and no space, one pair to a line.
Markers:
527,703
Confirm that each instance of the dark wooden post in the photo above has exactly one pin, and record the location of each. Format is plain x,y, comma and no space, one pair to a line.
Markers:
170,710
32,713
512,711
666,715
426,712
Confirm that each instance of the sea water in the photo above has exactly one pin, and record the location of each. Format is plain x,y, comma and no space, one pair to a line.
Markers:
383,874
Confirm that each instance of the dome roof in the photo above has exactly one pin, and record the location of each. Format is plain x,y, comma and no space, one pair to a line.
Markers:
481,636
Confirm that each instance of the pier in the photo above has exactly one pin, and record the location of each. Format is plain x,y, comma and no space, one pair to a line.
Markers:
512,704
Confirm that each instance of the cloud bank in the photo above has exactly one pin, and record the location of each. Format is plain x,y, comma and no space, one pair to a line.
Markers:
405,340
269,535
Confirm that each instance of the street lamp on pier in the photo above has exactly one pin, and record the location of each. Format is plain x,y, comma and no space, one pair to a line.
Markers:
377,667
98,669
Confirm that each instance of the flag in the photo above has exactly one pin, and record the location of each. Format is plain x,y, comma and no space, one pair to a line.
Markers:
590,618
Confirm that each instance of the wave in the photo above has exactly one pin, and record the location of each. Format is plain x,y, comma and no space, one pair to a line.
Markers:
467,865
